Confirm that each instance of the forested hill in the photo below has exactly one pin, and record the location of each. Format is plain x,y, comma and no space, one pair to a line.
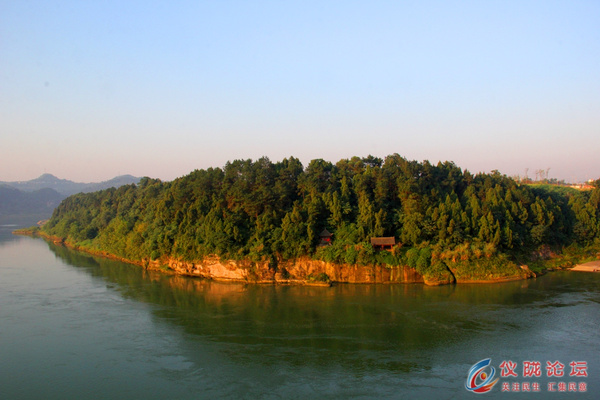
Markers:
39,203
67,187
440,215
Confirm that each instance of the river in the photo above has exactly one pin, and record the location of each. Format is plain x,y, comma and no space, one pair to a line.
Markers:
76,326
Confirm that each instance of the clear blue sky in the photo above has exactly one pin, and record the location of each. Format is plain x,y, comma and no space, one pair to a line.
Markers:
93,89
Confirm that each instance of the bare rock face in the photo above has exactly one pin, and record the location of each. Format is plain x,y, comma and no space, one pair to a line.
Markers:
301,270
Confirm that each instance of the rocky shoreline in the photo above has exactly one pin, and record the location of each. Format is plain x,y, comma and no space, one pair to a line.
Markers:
302,271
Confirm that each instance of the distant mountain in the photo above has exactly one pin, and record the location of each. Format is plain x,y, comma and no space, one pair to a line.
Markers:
37,198
18,202
114,182
67,187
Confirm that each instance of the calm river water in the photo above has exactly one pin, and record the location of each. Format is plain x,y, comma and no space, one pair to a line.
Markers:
74,326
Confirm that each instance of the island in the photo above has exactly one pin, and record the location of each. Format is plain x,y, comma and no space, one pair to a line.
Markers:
361,220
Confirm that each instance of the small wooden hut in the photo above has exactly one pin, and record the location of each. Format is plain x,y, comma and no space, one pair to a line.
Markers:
325,238
383,242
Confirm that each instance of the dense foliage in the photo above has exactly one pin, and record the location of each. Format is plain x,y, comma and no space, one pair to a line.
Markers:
261,210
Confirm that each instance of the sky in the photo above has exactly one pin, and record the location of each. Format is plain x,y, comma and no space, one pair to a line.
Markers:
94,89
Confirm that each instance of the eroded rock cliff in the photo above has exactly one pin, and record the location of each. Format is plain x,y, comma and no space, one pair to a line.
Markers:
302,270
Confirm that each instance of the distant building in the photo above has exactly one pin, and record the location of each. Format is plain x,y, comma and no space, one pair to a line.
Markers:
325,238
582,186
383,242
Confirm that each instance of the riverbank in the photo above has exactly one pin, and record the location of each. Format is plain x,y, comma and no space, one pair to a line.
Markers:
302,270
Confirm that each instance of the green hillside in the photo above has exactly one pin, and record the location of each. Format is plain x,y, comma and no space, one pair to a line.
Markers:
443,218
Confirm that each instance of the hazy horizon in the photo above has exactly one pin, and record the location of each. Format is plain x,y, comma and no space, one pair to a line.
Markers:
531,173
90,91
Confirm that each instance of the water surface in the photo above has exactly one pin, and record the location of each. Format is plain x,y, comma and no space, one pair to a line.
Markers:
75,326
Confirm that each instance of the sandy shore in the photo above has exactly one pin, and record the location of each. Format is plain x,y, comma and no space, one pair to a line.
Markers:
593,266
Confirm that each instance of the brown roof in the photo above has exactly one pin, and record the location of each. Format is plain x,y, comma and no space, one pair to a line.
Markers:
383,241
325,233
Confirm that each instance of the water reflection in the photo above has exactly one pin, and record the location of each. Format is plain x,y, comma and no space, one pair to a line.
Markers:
6,236
359,326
